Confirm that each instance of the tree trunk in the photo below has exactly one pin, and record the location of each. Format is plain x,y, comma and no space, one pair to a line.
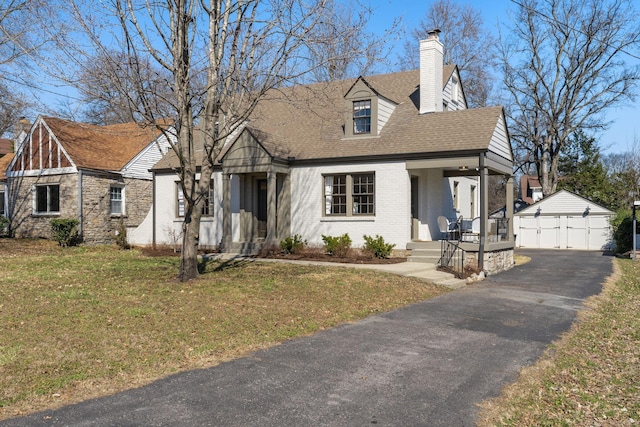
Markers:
189,255
545,166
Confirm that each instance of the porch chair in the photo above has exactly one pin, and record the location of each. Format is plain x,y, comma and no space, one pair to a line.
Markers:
474,232
447,228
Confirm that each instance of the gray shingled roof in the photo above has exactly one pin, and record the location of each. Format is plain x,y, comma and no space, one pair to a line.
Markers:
307,122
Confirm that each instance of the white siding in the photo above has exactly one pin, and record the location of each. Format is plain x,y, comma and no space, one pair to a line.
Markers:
385,109
564,202
460,104
169,224
499,143
392,205
139,166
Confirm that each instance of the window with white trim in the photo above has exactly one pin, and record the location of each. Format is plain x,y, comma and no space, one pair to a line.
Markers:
47,199
116,200
207,207
3,210
361,117
349,194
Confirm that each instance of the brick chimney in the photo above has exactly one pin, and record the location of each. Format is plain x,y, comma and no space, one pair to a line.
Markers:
431,68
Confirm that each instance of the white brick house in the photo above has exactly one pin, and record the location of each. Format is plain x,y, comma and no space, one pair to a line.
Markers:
384,154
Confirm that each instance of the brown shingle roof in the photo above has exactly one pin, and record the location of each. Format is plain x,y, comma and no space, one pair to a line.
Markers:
4,164
307,122
101,147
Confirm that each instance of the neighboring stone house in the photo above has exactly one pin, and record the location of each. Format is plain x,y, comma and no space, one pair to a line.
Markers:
98,175
378,155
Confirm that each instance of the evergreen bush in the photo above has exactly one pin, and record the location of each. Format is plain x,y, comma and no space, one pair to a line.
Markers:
65,231
377,246
337,246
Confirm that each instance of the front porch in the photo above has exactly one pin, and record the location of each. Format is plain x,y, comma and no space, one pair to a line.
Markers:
457,218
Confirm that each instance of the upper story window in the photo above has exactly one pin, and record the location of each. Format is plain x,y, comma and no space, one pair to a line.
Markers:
455,89
47,199
362,117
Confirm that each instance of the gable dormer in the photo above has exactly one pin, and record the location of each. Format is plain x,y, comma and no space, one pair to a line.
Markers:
452,95
366,110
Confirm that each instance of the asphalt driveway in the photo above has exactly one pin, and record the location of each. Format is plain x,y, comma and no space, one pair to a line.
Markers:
427,364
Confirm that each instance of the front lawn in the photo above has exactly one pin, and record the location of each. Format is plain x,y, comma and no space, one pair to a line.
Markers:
83,322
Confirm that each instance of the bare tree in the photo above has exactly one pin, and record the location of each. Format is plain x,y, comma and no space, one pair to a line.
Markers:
339,45
563,64
467,44
222,57
112,84
17,45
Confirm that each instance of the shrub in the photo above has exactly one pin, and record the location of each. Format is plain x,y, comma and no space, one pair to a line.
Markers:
338,246
377,246
622,225
293,244
65,231
121,235
4,225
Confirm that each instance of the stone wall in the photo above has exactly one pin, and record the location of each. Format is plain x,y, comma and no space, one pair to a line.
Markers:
494,261
99,225
24,221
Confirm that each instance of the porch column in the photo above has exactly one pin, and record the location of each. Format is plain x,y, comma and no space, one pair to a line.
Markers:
509,211
271,206
484,209
226,210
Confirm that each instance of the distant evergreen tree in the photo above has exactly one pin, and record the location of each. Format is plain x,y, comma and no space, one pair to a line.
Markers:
582,171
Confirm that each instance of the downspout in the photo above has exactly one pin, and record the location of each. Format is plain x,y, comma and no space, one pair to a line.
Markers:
80,202
153,212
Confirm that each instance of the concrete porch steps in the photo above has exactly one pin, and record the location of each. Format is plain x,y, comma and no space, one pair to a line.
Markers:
424,252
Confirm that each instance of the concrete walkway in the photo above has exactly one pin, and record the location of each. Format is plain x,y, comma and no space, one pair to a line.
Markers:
419,270
428,364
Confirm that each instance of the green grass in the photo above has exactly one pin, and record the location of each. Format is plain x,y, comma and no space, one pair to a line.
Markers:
82,322
592,375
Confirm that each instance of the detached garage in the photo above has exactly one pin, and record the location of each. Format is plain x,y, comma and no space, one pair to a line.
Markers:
563,220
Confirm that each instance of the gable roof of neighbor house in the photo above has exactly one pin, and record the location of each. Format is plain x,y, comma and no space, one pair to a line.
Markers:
106,148
4,164
307,122
527,182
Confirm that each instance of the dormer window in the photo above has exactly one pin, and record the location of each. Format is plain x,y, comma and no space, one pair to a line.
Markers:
362,117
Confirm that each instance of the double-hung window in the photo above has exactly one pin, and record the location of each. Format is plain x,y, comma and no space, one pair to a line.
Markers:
207,207
349,194
116,200
362,117
47,199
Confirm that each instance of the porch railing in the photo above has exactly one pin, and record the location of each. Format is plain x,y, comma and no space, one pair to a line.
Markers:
452,257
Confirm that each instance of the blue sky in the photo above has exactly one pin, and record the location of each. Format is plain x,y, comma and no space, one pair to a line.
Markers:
619,137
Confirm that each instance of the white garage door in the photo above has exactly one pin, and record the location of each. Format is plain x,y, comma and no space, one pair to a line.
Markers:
539,232
592,232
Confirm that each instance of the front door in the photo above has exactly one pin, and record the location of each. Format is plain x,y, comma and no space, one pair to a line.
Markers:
415,222
262,208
